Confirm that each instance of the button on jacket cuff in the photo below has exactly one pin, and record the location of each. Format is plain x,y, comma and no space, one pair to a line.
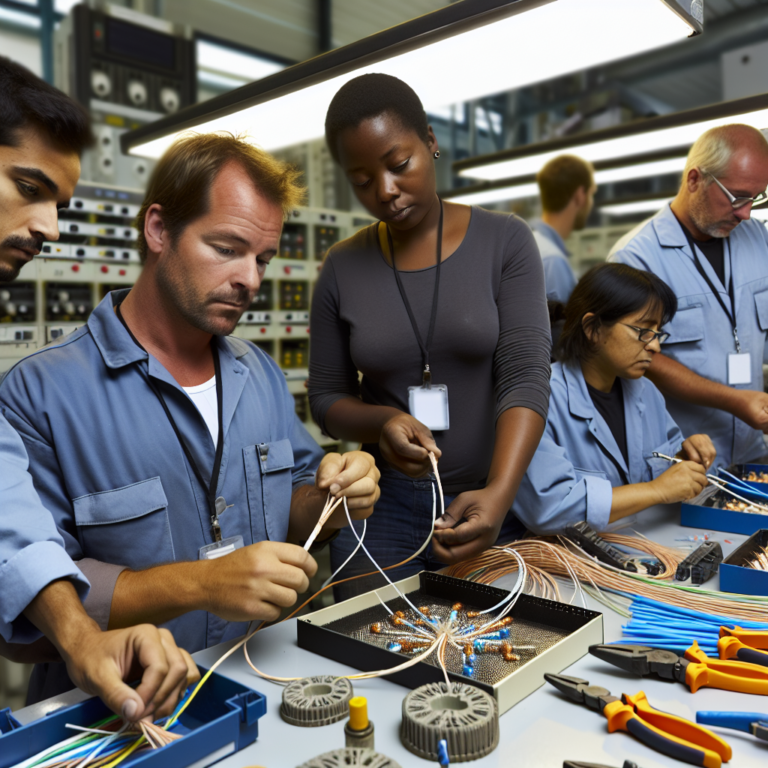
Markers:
21,579
103,577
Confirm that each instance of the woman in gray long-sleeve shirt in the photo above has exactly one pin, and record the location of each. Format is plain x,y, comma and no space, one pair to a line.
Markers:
490,345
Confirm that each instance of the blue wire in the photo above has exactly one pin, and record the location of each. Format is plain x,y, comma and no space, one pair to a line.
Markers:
442,753
742,484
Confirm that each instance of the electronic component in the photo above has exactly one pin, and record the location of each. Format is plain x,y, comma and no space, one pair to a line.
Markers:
591,542
295,354
350,758
701,564
325,237
68,302
316,701
466,717
293,241
17,303
358,732
294,294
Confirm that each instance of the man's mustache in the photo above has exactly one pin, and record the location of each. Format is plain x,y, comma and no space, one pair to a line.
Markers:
24,243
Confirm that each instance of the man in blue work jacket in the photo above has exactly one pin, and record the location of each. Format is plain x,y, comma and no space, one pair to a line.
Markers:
715,258
42,134
567,188
168,452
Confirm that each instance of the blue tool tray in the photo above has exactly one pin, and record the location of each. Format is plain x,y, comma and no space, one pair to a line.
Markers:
736,577
738,470
702,512
222,719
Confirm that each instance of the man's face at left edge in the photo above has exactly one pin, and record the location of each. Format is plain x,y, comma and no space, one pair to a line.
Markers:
36,180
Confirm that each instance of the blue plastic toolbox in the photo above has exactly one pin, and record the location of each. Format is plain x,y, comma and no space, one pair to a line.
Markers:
703,512
222,719
741,470
736,577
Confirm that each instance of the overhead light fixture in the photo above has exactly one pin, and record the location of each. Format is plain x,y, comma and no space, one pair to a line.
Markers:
631,207
461,52
667,132
636,167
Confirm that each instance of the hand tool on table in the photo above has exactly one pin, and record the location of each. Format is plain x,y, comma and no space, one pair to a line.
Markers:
695,669
671,735
749,722
746,645
579,764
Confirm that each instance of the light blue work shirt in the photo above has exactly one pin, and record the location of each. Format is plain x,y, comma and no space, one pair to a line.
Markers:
32,553
570,477
701,332
558,273
109,467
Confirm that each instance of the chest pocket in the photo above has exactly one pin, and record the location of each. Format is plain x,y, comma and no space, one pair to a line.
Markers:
269,478
686,343
126,526
761,305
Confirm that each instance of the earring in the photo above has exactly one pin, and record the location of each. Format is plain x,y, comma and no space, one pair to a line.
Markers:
437,154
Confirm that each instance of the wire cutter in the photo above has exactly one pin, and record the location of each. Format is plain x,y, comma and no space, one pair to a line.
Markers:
695,669
746,645
668,734
749,722
579,764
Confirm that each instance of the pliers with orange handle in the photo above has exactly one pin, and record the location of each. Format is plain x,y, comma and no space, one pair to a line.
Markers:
695,669
747,645
671,735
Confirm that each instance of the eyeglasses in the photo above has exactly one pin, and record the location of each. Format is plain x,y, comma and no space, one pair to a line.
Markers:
646,335
740,202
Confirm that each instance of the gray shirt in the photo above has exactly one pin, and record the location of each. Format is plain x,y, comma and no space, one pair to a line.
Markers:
491,341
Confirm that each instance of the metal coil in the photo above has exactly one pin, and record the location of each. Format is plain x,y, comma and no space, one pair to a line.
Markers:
315,701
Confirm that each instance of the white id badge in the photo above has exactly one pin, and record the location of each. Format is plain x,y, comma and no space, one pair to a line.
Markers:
220,548
429,405
740,368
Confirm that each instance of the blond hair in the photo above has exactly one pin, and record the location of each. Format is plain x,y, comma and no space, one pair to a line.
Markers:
713,150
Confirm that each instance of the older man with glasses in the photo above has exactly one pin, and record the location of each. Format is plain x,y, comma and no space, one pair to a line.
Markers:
715,258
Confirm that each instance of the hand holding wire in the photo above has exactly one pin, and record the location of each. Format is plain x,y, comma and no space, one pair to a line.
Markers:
699,448
406,443
469,526
682,481
354,476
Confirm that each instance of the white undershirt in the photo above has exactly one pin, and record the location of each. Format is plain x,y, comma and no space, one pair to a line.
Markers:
204,397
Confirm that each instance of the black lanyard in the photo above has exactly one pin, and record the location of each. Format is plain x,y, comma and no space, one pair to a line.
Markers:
215,505
427,374
731,314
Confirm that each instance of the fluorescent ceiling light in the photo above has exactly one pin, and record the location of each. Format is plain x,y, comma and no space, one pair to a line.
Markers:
680,129
220,60
515,189
637,206
458,53
19,18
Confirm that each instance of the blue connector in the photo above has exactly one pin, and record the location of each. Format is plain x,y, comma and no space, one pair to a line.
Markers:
442,753
467,670
396,647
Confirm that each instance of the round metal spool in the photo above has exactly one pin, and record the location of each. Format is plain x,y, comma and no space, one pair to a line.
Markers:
351,756
465,716
314,701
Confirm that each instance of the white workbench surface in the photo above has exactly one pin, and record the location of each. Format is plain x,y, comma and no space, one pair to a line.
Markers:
541,731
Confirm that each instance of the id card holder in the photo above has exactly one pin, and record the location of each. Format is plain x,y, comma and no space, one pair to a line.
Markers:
429,405
220,548
740,368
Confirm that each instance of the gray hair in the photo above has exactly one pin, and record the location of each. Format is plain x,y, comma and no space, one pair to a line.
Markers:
713,150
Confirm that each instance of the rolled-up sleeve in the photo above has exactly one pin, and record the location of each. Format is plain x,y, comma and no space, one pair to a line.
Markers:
32,553
554,493
521,362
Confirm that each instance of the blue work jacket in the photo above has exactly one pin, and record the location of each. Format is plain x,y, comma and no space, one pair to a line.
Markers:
701,333
111,471
558,273
570,477
32,553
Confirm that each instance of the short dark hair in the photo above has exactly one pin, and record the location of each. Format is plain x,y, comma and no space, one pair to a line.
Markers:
369,96
560,178
26,101
610,292
183,177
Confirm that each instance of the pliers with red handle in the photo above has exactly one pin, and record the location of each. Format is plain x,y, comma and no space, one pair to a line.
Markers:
671,735
695,669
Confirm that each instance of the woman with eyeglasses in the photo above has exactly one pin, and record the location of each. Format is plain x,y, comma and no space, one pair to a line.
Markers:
606,420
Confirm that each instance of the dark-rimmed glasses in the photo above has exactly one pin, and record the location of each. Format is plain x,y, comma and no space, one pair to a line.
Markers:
646,335
739,202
